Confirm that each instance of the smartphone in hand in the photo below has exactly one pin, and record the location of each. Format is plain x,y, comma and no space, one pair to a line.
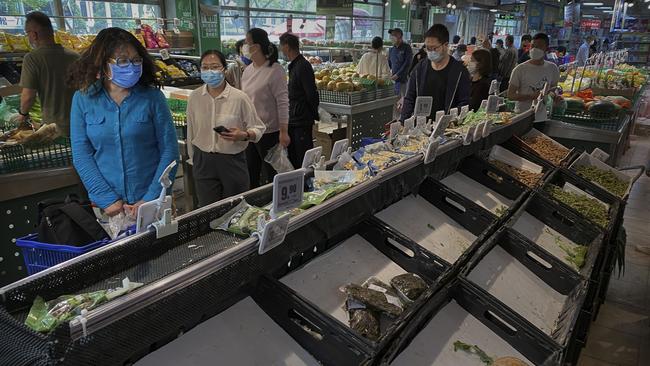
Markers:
221,129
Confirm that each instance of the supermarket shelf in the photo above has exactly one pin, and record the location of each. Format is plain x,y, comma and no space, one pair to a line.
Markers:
634,42
171,50
12,56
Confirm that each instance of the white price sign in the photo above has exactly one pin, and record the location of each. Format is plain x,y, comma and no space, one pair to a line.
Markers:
494,87
487,129
339,147
483,104
423,106
432,150
454,112
273,233
469,137
440,127
312,156
540,111
478,131
164,54
394,129
421,121
492,104
439,115
409,123
463,112
287,190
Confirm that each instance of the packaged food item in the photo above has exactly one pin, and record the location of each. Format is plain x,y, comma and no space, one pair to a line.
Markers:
241,220
140,38
149,37
409,286
375,300
364,321
322,194
161,40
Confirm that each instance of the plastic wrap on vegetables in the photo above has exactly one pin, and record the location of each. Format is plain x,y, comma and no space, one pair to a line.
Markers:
375,300
241,220
409,286
325,192
364,321
327,177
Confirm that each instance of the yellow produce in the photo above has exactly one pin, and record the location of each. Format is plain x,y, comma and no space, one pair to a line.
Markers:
331,86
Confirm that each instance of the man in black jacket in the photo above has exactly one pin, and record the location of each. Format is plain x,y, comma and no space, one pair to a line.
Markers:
439,76
303,100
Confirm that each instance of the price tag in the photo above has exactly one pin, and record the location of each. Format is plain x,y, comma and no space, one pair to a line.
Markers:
478,131
440,127
164,54
483,104
432,150
423,106
469,137
339,147
494,87
463,111
439,115
394,129
421,121
273,233
487,129
177,23
454,112
138,22
540,111
492,104
160,22
312,156
409,123
287,190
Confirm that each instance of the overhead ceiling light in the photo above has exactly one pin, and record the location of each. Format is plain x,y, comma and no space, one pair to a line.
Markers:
608,11
453,6
386,3
493,10
603,8
592,4
629,5
448,5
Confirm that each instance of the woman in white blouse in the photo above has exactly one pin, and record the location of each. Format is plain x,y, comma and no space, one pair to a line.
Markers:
221,121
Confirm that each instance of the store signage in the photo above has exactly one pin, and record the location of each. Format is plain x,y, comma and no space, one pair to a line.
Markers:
423,106
312,156
273,233
10,23
478,132
492,104
409,124
590,23
469,137
487,129
334,7
571,14
287,190
440,126
339,147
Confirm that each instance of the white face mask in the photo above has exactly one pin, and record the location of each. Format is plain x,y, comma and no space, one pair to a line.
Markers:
472,67
537,54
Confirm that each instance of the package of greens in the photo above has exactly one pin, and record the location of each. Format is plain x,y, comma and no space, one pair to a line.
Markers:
409,286
364,321
375,298
325,192
45,316
240,220
328,177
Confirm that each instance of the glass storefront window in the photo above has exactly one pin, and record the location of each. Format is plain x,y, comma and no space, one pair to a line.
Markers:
308,6
107,14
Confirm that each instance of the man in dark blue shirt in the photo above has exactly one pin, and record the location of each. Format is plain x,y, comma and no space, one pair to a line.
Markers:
399,60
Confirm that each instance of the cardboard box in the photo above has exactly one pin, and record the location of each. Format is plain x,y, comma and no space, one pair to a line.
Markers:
326,134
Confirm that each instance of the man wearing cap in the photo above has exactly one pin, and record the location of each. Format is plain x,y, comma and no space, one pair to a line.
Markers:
399,60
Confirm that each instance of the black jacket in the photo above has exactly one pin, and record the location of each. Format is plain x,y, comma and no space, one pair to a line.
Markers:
458,74
303,95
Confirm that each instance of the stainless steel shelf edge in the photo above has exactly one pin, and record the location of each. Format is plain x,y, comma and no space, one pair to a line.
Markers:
570,131
358,108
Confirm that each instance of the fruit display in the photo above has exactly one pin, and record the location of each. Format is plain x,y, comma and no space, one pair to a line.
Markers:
190,68
346,79
13,43
315,60
617,79
170,71
596,106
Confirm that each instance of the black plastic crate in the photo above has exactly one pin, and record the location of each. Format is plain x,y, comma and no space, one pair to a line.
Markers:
20,158
561,176
486,185
547,168
599,121
531,282
522,145
443,224
307,303
461,311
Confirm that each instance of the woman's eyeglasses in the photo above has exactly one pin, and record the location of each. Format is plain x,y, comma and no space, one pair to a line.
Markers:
124,62
212,68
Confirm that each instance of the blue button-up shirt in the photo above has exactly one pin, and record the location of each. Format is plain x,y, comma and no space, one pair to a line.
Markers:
121,151
399,60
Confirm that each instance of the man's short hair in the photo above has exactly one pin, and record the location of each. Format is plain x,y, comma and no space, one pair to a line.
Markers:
377,43
543,37
290,40
41,20
439,32
510,39
526,37
499,41
396,31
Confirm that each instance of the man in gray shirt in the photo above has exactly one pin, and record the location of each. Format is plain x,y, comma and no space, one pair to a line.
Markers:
508,62
44,72
528,78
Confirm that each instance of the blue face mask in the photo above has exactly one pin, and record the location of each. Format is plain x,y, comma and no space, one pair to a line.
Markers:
434,56
212,77
125,77
246,60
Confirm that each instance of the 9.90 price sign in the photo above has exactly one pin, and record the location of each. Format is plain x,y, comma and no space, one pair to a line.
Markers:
288,189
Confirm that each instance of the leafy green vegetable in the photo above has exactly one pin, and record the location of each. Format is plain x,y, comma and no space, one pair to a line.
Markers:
588,207
605,178
575,255
501,210
473,349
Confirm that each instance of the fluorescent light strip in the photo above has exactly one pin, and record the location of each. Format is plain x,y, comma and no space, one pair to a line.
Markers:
603,8
592,4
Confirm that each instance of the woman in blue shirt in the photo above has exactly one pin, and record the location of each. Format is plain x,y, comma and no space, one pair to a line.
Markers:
121,128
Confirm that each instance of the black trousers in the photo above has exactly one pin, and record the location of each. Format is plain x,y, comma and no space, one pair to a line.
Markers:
301,141
259,171
218,176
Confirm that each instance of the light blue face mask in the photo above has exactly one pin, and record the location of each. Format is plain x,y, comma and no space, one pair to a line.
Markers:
127,76
434,56
213,78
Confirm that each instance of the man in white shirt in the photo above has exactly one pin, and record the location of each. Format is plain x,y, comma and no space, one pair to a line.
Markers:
583,51
375,62
528,78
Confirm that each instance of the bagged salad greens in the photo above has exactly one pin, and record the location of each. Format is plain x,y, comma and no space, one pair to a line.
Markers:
241,220
45,316
363,320
409,286
375,300
322,194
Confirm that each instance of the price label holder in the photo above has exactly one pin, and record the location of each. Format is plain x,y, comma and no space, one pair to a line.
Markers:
439,115
394,130
469,136
478,131
453,112
164,54
487,129
463,112
432,150
440,127
138,22
492,104
423,106
288,189
177,23
540,111
420,121
160,22
483,104
273,233
339,147
494,87
312,157
409,123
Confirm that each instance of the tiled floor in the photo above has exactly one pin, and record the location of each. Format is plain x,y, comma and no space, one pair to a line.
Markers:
621,334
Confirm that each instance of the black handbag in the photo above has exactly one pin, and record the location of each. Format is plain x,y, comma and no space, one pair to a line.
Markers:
68,222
